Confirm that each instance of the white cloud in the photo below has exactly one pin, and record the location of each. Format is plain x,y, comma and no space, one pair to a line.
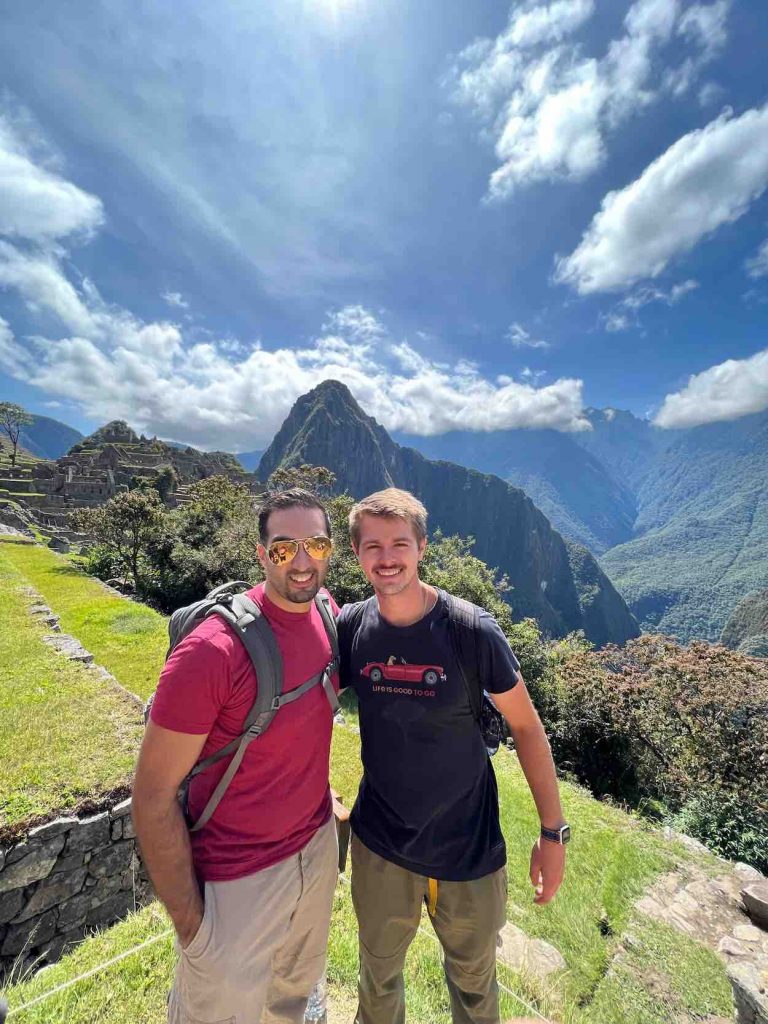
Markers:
148,374
624,314
40,282
727,391
710,93
36,203
704,25
550,108
520,338
706,179
758,265
221,393
175,299
614,322
355,321
13,358
533,23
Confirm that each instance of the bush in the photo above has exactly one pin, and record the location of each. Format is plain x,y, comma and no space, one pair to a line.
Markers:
657,721
728,825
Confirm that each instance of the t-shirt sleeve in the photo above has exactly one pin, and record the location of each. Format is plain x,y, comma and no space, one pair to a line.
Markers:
499,668
194,685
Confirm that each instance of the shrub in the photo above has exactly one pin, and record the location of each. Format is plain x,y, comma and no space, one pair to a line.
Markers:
727,824
654,720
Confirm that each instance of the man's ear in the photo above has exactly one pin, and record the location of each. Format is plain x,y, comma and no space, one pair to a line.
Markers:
422,548
261,553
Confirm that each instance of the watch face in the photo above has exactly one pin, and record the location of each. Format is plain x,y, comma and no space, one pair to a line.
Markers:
565,834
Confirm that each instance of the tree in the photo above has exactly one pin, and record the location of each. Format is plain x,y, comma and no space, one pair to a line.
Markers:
208,540
166,482
317,479
12,418
123,528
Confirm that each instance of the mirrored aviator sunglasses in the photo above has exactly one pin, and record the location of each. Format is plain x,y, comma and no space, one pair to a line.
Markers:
280,552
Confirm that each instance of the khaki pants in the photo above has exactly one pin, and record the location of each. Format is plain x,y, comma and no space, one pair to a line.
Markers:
261,946
467,917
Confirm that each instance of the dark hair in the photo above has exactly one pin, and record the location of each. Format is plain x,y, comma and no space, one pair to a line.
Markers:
296,497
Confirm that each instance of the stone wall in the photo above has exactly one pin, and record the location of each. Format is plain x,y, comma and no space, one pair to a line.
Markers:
64,879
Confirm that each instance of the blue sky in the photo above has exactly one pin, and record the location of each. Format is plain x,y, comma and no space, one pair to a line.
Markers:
476,215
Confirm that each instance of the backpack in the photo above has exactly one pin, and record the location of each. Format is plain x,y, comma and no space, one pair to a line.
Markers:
254,632
463,618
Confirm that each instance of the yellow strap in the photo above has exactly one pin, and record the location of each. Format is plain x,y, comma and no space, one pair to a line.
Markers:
432,905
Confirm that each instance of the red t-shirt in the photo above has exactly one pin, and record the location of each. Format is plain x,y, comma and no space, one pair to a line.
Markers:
279,795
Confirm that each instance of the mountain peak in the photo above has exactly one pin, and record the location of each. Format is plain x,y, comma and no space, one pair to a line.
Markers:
114,432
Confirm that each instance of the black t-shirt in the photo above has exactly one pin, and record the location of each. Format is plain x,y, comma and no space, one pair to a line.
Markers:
428,799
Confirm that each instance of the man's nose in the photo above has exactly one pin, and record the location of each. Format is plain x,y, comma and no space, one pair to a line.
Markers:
302,559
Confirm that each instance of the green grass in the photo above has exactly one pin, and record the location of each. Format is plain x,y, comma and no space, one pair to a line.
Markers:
613,857
127,638
64,735
662,976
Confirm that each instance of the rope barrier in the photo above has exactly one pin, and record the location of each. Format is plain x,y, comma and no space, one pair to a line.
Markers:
89,974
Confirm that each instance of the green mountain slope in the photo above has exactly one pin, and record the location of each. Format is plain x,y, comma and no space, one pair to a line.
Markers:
747,627
703,526
573,489
561,586
48,438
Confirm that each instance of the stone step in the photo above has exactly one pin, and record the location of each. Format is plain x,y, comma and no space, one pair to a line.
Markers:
69,647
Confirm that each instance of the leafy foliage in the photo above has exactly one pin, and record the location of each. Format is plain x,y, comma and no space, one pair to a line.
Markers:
316,479
123,529
203,543
12,418
655,721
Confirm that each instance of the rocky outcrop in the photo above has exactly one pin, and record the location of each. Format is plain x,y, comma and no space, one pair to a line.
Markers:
711,910
562,587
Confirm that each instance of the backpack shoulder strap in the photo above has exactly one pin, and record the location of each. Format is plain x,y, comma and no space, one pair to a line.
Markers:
463,618
254,632
323,603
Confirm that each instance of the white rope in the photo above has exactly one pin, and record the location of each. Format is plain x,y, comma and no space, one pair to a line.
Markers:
88,974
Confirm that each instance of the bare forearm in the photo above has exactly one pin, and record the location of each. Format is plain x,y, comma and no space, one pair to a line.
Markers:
167,855
535,758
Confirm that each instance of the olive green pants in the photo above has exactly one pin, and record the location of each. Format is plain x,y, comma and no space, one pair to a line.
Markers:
466,916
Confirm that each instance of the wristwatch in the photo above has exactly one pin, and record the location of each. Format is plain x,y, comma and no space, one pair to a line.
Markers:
560,835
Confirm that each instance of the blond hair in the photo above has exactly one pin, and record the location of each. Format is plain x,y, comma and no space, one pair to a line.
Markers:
392,503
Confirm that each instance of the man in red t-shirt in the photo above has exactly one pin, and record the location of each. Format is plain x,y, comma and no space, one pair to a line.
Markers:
252,942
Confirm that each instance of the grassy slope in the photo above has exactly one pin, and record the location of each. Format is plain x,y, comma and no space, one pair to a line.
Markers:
64,736
664,974
612,858
127,638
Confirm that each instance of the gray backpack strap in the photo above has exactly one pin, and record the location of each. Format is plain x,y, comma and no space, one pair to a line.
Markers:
323,603
246,619
255,633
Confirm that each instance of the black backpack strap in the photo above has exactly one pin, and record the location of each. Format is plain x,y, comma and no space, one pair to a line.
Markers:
463,617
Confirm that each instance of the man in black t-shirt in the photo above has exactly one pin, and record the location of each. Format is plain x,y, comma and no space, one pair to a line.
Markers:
426,820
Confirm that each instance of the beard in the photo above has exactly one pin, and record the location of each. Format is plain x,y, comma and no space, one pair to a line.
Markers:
299,594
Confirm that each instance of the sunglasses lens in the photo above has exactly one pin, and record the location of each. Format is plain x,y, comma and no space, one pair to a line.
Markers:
283,551
318,547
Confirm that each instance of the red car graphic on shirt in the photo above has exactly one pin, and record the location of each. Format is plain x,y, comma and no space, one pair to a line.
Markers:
403,672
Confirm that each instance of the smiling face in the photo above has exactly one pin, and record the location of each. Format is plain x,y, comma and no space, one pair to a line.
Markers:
389,553
295,583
